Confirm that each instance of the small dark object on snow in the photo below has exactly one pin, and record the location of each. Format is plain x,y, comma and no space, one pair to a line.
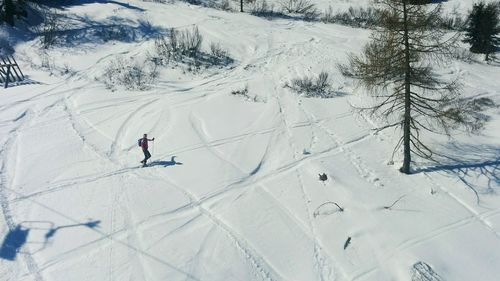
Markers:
323,177
347,242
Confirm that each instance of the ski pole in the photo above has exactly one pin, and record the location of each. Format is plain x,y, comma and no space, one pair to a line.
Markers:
153,147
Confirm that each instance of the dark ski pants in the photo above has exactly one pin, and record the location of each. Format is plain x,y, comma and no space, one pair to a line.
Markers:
147,155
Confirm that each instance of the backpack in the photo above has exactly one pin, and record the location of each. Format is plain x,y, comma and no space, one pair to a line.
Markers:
139,142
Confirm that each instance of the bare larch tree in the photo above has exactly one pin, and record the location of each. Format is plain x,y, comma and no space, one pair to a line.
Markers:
396,67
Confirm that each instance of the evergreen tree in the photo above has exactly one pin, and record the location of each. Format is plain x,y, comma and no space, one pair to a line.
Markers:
397,69
483,29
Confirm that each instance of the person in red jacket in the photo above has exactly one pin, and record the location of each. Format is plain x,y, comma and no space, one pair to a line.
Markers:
144,145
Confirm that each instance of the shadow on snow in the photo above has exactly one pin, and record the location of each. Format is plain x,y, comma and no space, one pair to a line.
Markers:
474,165
86,2
85,30
16,238
165,163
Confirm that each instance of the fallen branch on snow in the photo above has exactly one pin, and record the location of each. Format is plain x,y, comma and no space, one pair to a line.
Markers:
395,202
317,213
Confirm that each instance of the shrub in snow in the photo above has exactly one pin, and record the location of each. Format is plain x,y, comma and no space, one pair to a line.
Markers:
185,43
224,5
184,47
131,75
356,17
179,45
453,22
261,8
244,93
313,87
369,18
50,28
219,55
297,6
162,50
312,15
306,8
328,16
156,1
193,2
463,54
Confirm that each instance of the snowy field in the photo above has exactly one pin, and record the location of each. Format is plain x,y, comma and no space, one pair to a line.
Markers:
233,190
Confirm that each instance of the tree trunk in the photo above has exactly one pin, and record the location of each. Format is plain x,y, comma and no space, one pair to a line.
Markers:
407,114
241,6
9,12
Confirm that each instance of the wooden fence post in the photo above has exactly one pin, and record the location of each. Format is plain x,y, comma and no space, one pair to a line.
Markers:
7,79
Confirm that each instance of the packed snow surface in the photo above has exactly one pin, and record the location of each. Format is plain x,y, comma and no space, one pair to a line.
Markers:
232,192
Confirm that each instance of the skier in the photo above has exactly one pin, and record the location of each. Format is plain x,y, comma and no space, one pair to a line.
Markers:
143,143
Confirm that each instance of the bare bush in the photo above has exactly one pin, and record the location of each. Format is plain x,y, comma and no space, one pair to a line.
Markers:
186,42
328,16
369,18
244,93
50,28
356,17
184,47
297,6
162,50
313,87
463,54
453,22
241,92
180,45
131,75
263,9
224,5
219,55
311,15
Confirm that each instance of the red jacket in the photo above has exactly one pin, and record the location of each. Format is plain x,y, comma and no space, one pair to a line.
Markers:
144,143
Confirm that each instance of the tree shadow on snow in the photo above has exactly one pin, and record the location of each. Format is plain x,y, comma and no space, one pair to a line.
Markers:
167,163
17,237
474,165
70,3
26,81
111,29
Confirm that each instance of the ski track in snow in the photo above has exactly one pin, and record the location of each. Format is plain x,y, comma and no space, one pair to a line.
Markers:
324,268
4,185
317,249
267,271
122,129
481,218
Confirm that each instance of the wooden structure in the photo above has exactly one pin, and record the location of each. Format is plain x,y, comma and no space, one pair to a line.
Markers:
9,71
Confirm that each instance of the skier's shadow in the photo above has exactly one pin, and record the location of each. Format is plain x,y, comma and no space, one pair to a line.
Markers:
171,162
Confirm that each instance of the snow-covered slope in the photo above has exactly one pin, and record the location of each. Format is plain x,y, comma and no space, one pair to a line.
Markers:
233,191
